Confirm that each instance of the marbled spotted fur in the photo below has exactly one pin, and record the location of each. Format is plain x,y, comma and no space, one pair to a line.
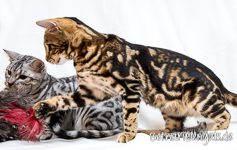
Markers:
108,66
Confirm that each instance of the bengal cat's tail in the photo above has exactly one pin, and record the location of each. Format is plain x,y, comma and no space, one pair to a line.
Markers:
84,133
231,98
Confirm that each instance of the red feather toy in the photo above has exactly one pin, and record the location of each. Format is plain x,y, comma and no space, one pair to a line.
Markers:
28,126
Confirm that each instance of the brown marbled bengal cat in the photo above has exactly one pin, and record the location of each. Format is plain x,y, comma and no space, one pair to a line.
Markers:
108,66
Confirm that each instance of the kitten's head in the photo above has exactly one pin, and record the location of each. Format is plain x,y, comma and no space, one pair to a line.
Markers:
63,36
24,72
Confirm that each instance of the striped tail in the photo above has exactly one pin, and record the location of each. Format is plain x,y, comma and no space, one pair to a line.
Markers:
231,98
84,133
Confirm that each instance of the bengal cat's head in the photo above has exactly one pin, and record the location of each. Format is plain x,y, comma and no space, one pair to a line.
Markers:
64,38
24,74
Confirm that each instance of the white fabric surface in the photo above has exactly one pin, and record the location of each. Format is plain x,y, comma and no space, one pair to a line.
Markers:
203,29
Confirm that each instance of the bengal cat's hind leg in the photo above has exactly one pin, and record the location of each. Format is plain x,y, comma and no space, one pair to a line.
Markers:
222,121
220,115
207,101
214,109
172,124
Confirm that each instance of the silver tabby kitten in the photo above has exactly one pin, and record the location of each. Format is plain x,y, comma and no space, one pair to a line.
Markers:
27,81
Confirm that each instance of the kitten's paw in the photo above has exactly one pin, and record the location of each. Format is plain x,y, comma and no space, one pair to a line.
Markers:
42,109
124,138
44,136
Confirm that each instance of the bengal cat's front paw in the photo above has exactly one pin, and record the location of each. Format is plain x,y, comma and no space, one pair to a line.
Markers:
42,109
124,138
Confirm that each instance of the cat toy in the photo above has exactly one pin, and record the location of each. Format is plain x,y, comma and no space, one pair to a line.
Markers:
28,126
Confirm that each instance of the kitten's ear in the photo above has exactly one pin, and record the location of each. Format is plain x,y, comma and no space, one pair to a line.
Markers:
50,24
12,55
37,65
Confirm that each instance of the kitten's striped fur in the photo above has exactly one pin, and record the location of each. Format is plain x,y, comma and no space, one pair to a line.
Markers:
109,66
27,82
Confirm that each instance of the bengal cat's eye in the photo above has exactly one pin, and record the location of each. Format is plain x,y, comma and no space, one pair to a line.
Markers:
9,72
22,77
50,47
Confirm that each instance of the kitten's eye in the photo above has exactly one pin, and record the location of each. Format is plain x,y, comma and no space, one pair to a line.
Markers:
22,77
9,72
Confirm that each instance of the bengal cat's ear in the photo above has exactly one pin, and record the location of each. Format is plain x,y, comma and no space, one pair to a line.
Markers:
12,55
50,24
37,65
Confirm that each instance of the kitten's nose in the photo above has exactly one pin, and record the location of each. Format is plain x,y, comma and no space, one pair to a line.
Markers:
10,84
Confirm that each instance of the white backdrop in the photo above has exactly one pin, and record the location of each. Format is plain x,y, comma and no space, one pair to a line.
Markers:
202,29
